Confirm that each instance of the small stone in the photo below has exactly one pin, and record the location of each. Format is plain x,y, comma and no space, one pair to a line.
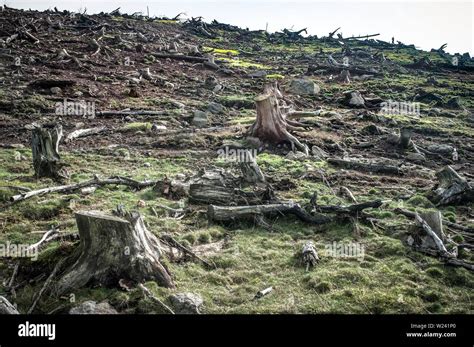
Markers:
372,129
441,149
200,119
91,307
88,190
146,164
354,99
318,152
215,108
156,127
186,303
141,203
210,82
295,155
55,90
454,103
303,87
416,157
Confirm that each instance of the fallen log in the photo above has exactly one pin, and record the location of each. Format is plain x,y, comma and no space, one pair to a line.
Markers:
83,132
230,213
93,182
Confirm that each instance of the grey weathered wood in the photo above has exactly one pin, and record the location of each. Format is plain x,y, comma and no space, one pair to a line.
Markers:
270,125
452,188
228,213
45,150
6,307
111,249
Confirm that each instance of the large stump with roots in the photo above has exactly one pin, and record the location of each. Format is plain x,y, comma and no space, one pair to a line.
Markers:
45,148
114,248
271,125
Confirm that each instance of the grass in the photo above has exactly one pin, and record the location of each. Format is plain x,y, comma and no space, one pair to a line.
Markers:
385,281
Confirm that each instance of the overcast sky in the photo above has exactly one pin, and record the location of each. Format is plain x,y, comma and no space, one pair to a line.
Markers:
427,24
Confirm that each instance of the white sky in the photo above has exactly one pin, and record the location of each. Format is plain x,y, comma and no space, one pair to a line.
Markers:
427,24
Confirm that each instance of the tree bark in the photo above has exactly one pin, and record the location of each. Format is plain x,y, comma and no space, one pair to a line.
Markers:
114,248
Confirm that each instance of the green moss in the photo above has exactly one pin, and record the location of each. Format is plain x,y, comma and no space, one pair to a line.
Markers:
420,201
136,126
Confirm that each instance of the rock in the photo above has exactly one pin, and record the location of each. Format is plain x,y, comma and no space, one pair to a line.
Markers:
146,164
354,99
295,155
215,108
210,82
186,303
55,90
319,153
454,103
156,127
441,149
372,129
88,190
427,97
393,139
257,74
333,114
200,119
91,307
416,157
303,87
6,307
78,94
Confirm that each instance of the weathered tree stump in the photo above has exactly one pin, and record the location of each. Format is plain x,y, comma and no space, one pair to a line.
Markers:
452,188
45,148
271,126
111,249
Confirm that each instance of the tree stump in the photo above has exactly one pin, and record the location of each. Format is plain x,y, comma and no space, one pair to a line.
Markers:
45,148
452,188
111,249
271,126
